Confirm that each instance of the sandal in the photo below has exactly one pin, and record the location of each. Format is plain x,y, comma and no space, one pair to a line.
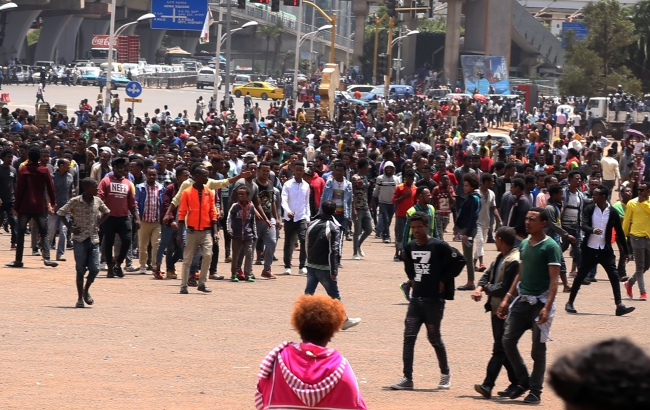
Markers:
89,300
80,304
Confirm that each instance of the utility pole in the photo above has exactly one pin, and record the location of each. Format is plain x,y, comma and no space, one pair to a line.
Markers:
217,75
228,48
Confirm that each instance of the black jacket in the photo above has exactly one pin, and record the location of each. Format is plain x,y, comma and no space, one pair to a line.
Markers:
323,242
499,289
613,222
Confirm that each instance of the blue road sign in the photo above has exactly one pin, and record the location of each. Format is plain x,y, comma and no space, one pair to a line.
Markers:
579,29
133,89
179,14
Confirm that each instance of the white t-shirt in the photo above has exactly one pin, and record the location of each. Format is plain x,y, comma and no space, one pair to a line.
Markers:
487,202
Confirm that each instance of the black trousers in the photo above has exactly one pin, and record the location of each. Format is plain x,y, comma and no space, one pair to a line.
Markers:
590,259
498,358
291,228
429,312
121,226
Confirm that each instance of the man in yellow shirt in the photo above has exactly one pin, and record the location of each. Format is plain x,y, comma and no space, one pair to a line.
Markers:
636,226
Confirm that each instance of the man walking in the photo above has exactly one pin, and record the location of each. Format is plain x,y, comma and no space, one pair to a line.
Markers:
531,301
404,198
431,266
360,208
197,209
496,282
611,172
63,186
384,190
323,255
339,190
295,202
149,197
636,226
30,203
266,235
599,219
8,178
118,193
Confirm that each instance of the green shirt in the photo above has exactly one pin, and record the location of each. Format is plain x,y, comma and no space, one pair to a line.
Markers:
620,208
535,260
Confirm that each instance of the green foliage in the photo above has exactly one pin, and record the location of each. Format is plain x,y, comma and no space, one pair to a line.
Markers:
639,51
33,35
597,65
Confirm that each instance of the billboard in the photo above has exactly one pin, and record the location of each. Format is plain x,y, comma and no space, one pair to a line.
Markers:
179,14
480,72
579,29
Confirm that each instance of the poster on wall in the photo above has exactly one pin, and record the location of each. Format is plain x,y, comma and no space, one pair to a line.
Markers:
481,72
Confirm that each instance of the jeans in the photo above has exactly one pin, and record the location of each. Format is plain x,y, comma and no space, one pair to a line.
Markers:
343,222
362,229
429,312
610,185
168,242
386,212
400,223
593,257
242,252
86,256
266,237
641,246
120,225
521,318
291,228
316,276
468,253
576,246
54,223
41,224
166,234
498,358
6,209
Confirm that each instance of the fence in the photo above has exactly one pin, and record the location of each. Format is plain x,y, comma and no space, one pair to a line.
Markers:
161,81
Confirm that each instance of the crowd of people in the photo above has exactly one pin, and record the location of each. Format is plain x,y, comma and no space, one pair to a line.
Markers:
141,194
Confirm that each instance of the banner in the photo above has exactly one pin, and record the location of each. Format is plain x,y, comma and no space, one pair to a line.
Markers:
205,32
481,72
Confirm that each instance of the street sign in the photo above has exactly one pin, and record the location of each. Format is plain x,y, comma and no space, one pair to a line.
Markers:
133,100
579,29
179,14
133,89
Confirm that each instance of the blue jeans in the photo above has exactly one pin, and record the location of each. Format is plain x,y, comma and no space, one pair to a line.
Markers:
54,223
166,234
316,276
86,256
386,212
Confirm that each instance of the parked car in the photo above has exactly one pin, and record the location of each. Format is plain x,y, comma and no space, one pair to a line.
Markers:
344,96
260,90
394,91
22,72
45,64
363,89
89,75
205,77
496,137
117,80
241,79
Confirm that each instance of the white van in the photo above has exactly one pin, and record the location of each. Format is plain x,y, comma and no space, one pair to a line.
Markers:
205,77
241,79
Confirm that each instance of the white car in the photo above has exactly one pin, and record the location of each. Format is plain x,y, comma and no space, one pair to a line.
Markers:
363,89
205,77
241,79
496,137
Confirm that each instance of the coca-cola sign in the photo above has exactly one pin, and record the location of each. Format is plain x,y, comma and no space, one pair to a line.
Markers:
100,41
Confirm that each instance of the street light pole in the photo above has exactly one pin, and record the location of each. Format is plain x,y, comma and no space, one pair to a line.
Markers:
226,97
295,65
217,75
109,68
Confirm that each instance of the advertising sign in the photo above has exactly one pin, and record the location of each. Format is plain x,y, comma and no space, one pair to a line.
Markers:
481,72
579,29
179,14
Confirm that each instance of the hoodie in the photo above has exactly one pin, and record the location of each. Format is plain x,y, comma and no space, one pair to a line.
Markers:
307,376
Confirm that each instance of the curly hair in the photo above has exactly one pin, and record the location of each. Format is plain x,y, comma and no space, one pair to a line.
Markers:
317,317
611,374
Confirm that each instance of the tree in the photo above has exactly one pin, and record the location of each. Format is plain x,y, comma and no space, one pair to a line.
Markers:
597,65
277,40
640,49
269,33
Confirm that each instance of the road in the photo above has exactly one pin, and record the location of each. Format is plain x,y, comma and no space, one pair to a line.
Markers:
24,96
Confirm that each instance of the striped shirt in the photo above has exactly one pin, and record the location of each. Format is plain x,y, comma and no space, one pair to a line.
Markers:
151,205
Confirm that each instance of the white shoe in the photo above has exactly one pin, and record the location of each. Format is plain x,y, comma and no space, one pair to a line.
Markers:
361,252
445,381
102,266
350,322
356,257
287,271
143,270
303,271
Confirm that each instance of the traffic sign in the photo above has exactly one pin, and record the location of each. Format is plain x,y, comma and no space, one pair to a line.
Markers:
133,100
179,14
133,89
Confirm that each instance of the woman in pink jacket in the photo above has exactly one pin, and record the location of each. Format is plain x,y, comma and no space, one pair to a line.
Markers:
309,375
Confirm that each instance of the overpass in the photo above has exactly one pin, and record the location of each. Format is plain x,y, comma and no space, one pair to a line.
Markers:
68,26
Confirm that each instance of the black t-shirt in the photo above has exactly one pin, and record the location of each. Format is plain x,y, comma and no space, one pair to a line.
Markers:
266,197
8,178
429,184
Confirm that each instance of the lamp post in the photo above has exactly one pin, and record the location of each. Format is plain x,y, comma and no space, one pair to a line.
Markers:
299,43
111,45
218,61
8,6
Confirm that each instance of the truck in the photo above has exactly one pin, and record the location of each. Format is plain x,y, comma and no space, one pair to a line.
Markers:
609,122
126,49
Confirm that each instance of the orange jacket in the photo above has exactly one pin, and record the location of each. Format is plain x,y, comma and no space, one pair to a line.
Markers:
200,214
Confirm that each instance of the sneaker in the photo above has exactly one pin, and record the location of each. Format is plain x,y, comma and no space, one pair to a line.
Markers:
102,266
119,272
143,271
214,276
240,275
405,287
643,296
250,278
303,271
150,267
377,236
266,274
35,252
623,310
361,252
396,258
259,262
445,381
157,275
532,398
110,272
287,271
356,257
13,246
233,278
191,281
386,240
130,268
403,384
184,290
628,290
350,322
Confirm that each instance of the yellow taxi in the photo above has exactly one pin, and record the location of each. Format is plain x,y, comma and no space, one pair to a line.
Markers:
260,90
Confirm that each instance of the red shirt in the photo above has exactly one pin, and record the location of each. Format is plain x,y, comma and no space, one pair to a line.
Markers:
404,206
33,180
485,164
452,178
117,194
319,185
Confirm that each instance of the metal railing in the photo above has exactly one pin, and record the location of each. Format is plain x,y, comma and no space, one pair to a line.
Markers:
288,21
161,80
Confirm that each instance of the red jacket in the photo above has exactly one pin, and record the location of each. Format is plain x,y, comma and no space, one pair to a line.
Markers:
33,180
